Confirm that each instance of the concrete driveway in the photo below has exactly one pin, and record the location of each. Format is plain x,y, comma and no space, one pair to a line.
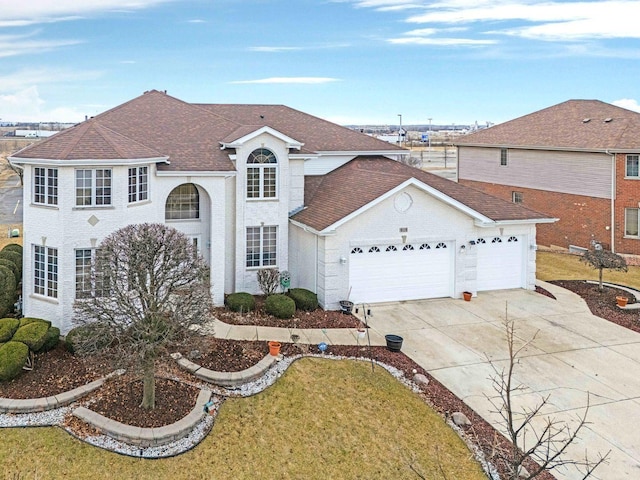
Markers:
575,357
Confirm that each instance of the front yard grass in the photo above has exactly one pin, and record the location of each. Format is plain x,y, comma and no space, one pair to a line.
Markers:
561,266
322,419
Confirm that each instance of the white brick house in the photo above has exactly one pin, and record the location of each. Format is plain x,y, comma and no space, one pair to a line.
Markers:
261,186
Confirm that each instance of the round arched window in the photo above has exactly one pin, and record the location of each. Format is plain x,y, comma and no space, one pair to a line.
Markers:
183,203
262,173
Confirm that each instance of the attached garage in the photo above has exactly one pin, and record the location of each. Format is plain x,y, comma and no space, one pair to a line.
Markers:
383,273
500,263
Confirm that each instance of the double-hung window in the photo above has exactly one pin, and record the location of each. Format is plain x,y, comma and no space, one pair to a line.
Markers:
45,271
89,280
631,169
93,187
262,174
631,222
504,157
261,246
138,184
45,186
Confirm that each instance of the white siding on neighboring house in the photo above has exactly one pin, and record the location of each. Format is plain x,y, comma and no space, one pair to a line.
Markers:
325,164
575,173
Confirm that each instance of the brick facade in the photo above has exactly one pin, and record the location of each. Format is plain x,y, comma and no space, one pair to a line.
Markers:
627,196
581,218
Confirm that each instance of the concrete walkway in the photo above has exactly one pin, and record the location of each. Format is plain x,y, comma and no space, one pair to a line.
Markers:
575,357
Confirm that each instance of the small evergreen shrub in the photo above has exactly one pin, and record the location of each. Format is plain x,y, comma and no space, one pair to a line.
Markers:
280,306
27,320
8,327
305,299
13,356
13,247
84,334
51,340
11,266
15,257
33,335
241,302
8,295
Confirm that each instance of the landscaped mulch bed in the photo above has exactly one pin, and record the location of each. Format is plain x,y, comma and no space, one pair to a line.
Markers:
603,303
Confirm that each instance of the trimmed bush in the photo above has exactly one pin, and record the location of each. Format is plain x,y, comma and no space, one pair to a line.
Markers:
51,340
241,302
8,295
78,336
15,257
280,306
304,299
13,247
33,335
11,266
13,356
8,327
27,320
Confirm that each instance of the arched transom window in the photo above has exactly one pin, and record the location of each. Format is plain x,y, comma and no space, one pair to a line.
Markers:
262,173
183,203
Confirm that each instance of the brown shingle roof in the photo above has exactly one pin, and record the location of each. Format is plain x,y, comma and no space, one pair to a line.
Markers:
364,179
190,134
565,126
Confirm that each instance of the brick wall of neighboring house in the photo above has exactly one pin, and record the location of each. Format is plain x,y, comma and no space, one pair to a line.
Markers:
627,196
582,218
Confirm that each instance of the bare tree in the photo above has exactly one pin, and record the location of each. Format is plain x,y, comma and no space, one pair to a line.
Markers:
268,280
149,286
541,448
599,258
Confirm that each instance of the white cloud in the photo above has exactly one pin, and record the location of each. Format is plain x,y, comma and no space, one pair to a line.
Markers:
41,76
628,103
196,20
441,41
27,106
289,80
12,45
22,13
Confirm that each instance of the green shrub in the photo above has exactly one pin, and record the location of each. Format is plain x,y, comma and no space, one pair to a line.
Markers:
8,327
11,266
241,302
33,335
51,340
13,356
8,295
27,320
85,334
13,247
15,257
280,306
304,299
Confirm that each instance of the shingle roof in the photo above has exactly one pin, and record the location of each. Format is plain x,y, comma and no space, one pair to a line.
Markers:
156,125
341,192
589,125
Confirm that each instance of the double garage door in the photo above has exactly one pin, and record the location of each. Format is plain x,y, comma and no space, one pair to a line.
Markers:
384,273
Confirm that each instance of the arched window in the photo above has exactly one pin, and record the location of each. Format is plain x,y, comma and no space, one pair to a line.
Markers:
262,173
183,203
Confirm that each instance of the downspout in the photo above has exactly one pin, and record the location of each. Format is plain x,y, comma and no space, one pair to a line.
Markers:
613,200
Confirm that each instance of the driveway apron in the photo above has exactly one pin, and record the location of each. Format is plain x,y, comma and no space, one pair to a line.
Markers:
575,358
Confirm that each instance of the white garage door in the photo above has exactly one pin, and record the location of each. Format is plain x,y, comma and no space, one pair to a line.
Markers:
385,273
500,263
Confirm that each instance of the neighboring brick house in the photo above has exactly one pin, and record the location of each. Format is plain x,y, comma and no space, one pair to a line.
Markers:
261,186
577,161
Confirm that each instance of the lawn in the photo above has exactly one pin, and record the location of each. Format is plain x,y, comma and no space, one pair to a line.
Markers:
322,419
560,266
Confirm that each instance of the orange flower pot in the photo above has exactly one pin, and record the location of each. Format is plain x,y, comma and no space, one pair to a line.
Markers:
274,348
466,296
622,301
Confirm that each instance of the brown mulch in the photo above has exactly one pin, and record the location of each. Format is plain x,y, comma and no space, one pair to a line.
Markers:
603,304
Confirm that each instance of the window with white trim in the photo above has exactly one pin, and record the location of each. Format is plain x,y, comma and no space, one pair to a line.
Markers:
632,166
504,157
183,203
45,186
138,184
261,246
89,281
93,187
262,174
631,222
45,271
517,197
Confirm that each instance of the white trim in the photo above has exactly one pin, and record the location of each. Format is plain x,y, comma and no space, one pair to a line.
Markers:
290,142
364,153
88,161
309,229
549,148
195,173
494,223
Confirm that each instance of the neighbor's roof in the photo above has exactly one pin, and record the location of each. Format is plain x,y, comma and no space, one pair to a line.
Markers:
589,125
156,125
332,197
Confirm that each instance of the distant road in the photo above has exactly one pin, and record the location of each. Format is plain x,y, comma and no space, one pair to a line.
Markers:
10,198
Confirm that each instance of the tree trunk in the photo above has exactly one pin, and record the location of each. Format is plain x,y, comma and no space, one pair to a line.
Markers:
149,383
601,287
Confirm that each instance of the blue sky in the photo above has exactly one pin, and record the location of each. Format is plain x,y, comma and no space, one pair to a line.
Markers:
349,61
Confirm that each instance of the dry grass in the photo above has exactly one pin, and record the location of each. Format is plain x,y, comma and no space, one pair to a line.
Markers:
323,419
561,266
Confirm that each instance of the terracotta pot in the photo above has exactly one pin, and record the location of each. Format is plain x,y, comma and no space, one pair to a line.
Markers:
467,296
274,348
622,301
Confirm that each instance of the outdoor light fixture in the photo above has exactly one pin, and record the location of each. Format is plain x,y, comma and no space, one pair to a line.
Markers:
343,260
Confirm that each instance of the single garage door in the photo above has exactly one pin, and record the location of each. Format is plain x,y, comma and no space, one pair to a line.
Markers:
500,263
386,273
